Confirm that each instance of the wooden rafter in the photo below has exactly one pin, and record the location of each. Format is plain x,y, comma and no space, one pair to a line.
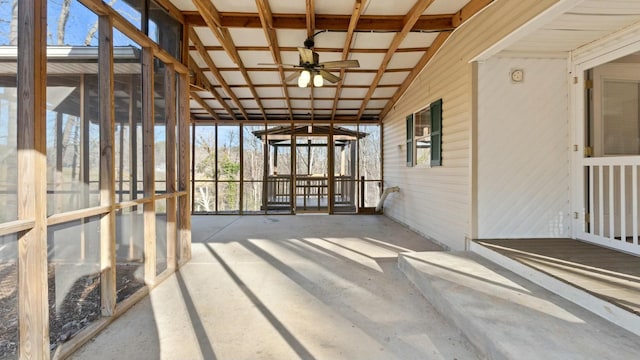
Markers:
311,18
357,11
317,49
326,86
412,16
273,69
171,9
468,11
204,105
212,18
220,23
212,67
317,98
202,80
266,18
327,22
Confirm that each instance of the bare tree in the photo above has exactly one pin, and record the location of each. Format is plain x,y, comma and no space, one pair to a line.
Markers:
94,28
13,25
62,21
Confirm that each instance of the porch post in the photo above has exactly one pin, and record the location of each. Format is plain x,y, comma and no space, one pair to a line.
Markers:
33,309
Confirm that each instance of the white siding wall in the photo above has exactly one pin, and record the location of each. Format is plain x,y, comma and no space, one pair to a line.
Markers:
436,202
523,149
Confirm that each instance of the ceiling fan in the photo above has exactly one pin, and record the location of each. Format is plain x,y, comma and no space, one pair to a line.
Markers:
310,67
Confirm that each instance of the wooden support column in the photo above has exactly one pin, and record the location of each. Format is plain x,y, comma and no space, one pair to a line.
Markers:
331,188
33,309
133,138
217,175
265,168
293,188
148,171
191,180
133,158
354,169
107,167
184,210
241,191
57,178
343,161
84,163
170,113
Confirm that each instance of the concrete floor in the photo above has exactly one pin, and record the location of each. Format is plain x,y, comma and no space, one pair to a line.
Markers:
287,287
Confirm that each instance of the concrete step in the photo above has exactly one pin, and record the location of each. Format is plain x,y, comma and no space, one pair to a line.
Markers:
508,317
597,305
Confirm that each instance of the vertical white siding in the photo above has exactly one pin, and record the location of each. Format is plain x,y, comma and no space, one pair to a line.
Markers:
436,201
523,149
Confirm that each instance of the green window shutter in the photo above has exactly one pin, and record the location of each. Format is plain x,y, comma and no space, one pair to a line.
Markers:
410,140
436,133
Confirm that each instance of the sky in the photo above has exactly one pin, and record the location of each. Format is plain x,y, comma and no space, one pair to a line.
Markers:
80,21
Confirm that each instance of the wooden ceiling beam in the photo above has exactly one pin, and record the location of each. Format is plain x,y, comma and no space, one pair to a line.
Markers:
266,18
204,105
437,43
317,49
310,18
327,22
212,18
214,70
412,16
280,120
200,79
357,11
326,86
171,9
362,71
317,98
468,11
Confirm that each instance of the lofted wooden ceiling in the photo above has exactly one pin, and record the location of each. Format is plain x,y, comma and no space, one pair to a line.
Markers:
231,40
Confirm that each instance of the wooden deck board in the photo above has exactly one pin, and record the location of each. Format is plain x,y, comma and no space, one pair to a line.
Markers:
606,273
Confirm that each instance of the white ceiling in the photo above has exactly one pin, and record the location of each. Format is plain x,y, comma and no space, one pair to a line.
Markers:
367,92
253,88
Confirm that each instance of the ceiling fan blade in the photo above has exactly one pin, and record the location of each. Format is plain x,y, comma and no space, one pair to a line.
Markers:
278,65
306,55
329,76
292,76
340,64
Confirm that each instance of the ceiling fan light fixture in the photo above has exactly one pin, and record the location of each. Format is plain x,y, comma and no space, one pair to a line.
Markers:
318,81
304,79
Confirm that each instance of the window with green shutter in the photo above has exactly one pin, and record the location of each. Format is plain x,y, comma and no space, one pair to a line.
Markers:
424,136
409,144
436,133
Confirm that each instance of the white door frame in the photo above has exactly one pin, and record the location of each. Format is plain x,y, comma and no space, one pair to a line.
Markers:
612,47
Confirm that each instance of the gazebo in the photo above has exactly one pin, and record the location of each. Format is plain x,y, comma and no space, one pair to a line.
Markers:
320,172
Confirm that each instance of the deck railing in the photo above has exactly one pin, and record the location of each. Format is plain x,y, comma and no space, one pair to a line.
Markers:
312,192
612,212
